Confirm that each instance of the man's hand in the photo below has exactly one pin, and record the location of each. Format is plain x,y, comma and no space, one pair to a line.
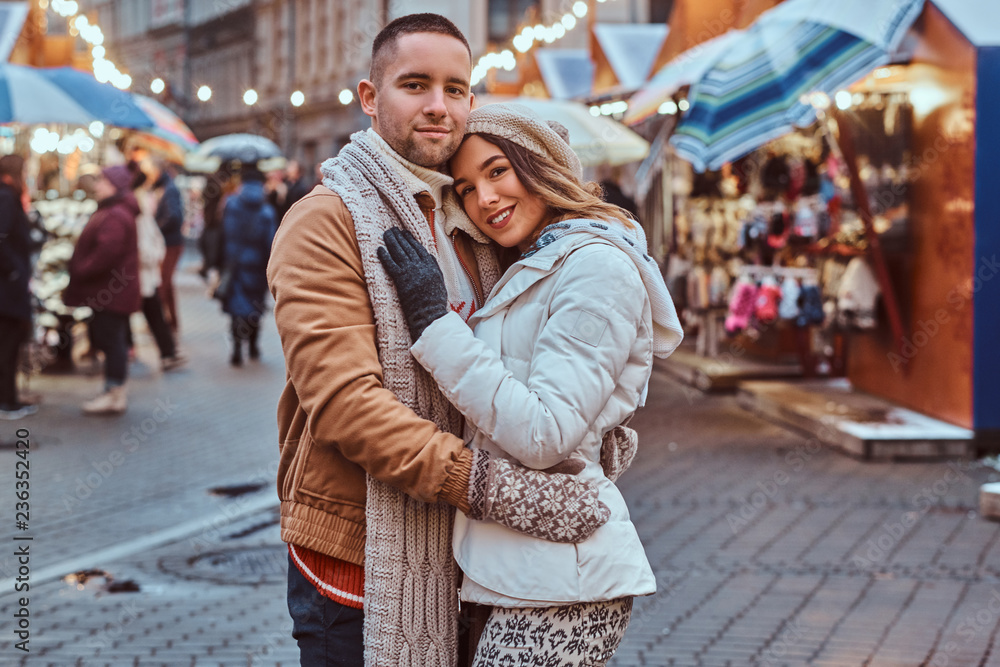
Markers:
554,507
418,279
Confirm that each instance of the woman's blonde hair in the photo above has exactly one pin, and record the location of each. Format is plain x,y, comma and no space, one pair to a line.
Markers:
564,194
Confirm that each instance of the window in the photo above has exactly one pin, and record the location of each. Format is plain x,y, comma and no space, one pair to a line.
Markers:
505,16
659,10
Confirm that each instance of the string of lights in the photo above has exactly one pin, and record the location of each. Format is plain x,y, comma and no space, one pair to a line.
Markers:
527,39
105,71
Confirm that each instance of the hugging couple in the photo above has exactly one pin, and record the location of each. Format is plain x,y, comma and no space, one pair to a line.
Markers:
465,325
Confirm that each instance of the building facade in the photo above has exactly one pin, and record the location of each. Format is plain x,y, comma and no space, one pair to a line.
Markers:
298,57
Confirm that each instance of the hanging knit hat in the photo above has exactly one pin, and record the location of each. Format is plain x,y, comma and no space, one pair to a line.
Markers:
524,127
810,306
119,176
789,308
741,306
766,303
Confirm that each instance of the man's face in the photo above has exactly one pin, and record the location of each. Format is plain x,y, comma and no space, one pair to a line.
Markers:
423,99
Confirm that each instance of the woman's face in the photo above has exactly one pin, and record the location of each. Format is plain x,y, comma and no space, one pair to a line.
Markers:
103,189
493,196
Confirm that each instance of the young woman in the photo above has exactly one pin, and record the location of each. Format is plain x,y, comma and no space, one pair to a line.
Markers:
152,250
561,353
102,275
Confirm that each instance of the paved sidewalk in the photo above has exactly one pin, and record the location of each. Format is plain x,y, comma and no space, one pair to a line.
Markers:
768,548
107,491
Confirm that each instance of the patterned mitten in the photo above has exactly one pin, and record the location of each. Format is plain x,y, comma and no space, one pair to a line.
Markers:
617,451
418,279
553,507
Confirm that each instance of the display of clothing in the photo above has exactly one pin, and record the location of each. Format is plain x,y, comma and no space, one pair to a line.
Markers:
810,306
788,309
857,296
741,306
766,303
718,286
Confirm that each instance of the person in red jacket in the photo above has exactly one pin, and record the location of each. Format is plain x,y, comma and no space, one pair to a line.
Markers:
104,276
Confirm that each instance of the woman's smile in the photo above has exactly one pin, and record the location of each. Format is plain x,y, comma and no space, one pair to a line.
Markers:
494,197
499,221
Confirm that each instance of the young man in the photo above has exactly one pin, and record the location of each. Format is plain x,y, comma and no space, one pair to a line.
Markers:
371,462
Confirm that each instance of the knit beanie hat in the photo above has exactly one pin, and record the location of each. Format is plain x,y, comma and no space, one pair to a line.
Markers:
524,127
119,176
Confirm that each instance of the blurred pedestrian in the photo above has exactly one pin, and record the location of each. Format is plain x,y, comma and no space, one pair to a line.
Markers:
249,225
170,219
288,189
296,183
213,196
610,182
276,191
15,272
152,250
104,276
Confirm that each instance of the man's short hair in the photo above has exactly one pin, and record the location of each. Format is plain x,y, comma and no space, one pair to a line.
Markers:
384,46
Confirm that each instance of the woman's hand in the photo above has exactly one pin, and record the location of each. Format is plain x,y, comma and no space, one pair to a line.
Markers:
418,279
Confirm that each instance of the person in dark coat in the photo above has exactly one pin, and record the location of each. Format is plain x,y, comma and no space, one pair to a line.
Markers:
289,190
15,272
170,219
212,201
249,224
104,275
613,193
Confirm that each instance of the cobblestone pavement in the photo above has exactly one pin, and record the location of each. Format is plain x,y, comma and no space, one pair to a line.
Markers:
768,548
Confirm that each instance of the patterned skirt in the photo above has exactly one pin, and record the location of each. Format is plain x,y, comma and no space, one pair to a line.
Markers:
586,634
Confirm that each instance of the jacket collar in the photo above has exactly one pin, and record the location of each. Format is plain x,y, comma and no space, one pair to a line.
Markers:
529,270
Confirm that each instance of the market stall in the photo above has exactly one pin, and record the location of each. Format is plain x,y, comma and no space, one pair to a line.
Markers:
67,125
885,199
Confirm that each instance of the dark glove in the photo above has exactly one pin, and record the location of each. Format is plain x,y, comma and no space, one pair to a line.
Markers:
553,507
418,279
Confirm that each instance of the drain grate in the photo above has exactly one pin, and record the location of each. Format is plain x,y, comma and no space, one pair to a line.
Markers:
240,566
237,490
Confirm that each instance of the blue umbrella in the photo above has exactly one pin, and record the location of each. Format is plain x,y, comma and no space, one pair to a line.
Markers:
64,95
758,88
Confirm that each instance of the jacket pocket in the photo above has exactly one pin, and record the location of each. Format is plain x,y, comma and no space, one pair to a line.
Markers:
331,480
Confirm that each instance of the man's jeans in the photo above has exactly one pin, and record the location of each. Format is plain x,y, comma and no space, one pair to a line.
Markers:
328,632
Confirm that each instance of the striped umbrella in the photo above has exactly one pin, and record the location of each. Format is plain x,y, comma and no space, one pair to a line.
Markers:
758,88
64,95
167,125
682,71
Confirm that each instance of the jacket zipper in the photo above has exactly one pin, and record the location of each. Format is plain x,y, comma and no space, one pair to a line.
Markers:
475,288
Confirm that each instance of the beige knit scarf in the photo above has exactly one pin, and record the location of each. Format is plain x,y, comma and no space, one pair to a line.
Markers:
411,602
